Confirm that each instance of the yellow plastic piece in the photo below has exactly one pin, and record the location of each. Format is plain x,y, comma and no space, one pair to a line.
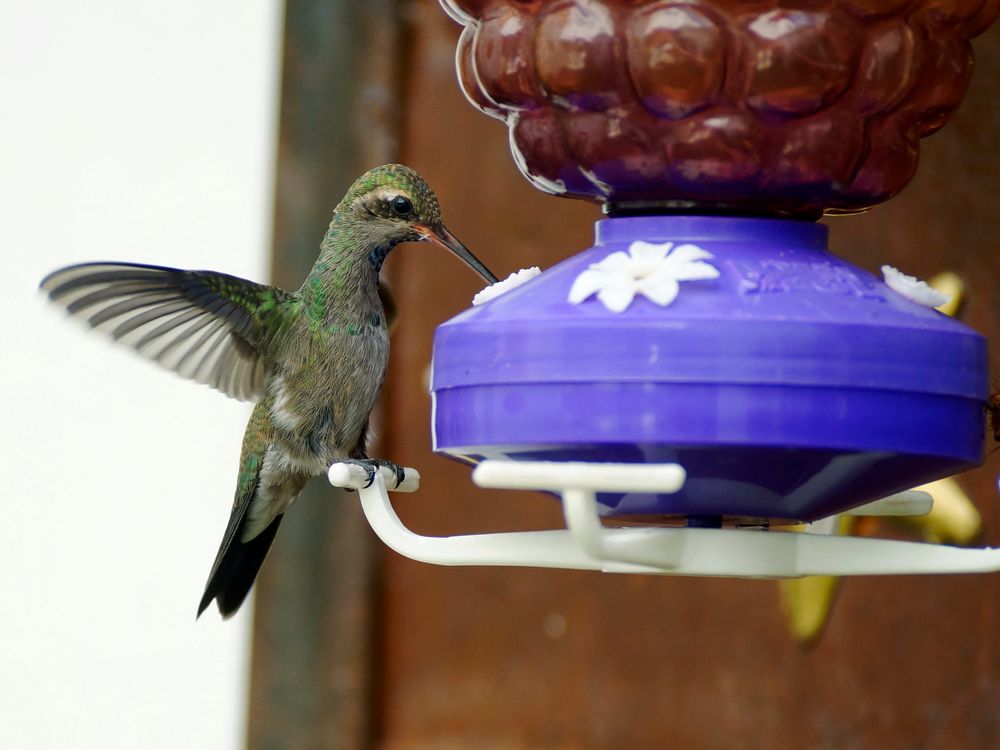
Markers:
951,284
954,519
807,601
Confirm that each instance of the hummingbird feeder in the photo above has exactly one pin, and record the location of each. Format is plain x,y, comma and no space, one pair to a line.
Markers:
708,370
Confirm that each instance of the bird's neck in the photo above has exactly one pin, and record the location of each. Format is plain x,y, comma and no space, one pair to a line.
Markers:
343,283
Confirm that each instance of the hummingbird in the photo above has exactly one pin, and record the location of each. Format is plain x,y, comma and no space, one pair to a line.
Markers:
313,360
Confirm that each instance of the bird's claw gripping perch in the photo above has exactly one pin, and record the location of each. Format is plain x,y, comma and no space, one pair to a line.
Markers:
371,465
398,471
367,465
357,474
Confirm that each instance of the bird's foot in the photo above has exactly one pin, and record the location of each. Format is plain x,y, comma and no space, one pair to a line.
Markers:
395,468
371,465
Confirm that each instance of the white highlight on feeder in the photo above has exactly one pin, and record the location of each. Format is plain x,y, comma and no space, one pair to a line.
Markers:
913,288
650,269
514,280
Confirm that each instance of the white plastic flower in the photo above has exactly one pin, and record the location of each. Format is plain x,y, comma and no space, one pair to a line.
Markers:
514,280
650,269
913,289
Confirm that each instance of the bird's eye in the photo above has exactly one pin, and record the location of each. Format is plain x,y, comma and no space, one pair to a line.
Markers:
401,205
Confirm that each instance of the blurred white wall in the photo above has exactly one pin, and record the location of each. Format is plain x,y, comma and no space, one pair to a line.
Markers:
143,131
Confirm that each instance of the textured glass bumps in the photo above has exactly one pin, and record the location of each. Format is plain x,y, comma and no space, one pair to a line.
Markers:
791,107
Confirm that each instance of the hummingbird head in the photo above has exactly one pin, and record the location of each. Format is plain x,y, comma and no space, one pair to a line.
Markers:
396,205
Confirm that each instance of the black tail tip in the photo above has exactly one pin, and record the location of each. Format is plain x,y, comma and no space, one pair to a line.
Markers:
226,608
203,605
235,571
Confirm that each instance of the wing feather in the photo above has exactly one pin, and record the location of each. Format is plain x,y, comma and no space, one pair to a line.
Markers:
206,326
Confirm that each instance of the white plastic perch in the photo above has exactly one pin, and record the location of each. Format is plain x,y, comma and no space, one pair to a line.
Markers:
587,545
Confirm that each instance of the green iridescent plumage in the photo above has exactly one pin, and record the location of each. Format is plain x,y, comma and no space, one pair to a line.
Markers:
313,359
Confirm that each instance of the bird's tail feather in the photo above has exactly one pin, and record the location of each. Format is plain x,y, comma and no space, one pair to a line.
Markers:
237,562
236,569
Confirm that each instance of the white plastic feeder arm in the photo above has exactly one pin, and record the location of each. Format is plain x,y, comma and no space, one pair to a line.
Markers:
586,545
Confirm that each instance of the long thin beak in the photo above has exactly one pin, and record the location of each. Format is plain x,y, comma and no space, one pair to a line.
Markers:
441,236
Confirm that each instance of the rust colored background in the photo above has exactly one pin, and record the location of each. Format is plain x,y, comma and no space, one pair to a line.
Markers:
508,658
357,648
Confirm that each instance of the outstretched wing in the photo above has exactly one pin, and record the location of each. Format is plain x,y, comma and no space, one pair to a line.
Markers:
206,326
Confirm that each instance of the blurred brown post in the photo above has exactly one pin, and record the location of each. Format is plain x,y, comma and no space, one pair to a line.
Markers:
311,680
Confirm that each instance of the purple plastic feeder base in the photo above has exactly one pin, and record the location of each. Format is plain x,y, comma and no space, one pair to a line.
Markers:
788,383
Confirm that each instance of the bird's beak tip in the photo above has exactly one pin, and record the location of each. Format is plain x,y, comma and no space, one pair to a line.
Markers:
440,235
